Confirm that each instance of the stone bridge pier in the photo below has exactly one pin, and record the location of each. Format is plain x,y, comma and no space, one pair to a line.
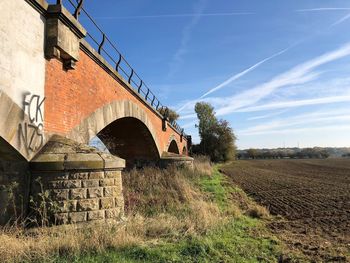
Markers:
82,184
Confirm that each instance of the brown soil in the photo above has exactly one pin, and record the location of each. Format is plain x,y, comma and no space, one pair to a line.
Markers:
310,198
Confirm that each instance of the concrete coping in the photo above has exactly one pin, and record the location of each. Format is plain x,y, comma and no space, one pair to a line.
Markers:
65,16
61,154
175,156
40,5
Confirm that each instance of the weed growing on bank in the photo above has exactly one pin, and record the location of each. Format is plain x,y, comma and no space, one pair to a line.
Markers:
172,215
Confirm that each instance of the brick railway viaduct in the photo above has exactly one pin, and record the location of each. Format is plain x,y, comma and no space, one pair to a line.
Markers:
56,79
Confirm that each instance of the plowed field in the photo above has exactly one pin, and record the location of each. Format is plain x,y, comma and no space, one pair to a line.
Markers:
311,197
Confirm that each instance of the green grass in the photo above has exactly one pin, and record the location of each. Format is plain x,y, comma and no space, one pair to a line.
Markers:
219,189
214,186
232,242
241,239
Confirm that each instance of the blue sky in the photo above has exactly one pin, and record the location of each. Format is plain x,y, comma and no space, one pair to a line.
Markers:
278,71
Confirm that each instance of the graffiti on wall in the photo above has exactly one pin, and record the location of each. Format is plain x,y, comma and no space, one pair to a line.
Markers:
31,132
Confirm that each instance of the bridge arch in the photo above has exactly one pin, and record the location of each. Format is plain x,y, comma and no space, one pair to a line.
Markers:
121,121
184,150
173,148
130,139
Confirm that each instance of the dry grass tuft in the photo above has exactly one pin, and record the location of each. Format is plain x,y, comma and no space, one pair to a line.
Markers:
159,204
233,211
204,215
38,244
152,191
257,211
202,164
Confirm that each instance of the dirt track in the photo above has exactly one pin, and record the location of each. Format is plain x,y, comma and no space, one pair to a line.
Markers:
312,196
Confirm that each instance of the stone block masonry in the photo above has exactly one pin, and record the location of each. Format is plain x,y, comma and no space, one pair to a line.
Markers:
84,199
76,183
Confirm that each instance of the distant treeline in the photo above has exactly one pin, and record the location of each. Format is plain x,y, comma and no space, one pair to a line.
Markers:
293,153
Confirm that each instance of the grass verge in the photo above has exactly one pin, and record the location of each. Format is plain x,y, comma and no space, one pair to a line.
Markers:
173,215
234,241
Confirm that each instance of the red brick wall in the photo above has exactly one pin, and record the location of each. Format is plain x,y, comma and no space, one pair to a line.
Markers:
73,95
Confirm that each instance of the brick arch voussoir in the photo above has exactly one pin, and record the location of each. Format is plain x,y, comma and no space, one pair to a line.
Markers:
102,117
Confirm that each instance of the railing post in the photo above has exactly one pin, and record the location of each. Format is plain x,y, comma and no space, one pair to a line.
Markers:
132,73
77,10
139,88
146,97
119,60
101,45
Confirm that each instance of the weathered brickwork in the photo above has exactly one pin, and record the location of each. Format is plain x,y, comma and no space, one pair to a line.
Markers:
84,199
71,96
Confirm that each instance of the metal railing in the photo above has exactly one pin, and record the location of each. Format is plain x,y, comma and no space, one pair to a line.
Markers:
105,47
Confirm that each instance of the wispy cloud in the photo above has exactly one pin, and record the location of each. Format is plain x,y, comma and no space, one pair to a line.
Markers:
244,72
296,103
318,118
188,116
281,105
190,124
175,15
300,74
190,104
177,58
323,9
234,77
266,115
339,21
342,128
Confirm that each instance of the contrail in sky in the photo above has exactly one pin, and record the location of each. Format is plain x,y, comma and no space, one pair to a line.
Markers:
323,9
241,74
244,72
341,20
238,75
177,15
299,74
177,58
